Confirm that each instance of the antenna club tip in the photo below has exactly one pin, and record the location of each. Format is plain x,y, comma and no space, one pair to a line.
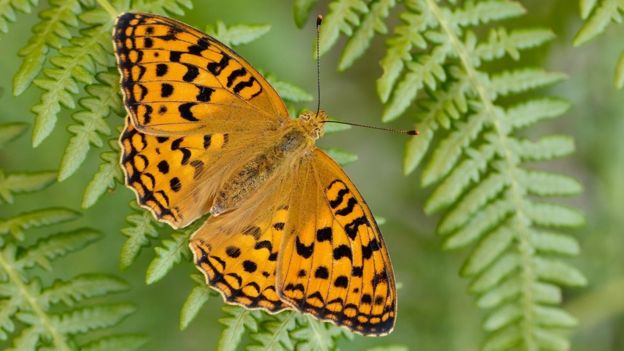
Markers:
413,132
319,20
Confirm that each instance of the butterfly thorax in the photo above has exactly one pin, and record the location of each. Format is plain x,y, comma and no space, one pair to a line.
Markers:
294,141
312,123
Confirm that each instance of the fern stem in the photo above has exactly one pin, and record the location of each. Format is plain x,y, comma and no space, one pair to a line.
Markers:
14,276
521,220
108,7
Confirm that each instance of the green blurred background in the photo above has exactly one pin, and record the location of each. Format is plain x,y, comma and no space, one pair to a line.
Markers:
435,311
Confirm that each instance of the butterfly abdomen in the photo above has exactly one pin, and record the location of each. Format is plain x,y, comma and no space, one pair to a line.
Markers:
258,171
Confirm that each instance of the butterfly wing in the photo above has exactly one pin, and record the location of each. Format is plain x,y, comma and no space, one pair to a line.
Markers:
194,108
333,262
308,240
176,79
238,251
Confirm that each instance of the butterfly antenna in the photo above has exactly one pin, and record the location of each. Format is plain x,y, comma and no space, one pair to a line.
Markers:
398,131
319,20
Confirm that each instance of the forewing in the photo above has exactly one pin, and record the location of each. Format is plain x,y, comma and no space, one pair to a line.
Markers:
176,79
333,262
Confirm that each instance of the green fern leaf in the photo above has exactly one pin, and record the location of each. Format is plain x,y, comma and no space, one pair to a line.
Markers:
71,67
102,99
601,16
302,10
238,34
341,156
372,23
57,245
619,72
123,342
289,92
274,333
84,319
174,7
237,320
23,183
311,334
193,303
38,218
81,287
106,177
341,17
142,228
11,131
434,59
9,8
171,252
52,31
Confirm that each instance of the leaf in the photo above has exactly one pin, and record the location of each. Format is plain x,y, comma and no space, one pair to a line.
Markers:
23,183
106,177
82,287
289,92
142,228
237,321
103,98
619,73
58,245
169,254
238,34
342,15
301,10
51,32
11,131
360,40
341,156
274,334
193,303
93,317
62,81
122,342
38,218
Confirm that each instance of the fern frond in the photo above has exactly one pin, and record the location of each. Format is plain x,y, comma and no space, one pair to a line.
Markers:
237,321
312,334
142,228
173,7
106,177
9,9
490,200
74,65
275,332
196,299
16,225
53,31
598,14
302,10
23,183
342,16
53,315
125,342
172,251
237,34
10,131
103,98
373,22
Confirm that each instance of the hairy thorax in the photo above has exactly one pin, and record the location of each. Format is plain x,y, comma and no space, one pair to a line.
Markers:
297,137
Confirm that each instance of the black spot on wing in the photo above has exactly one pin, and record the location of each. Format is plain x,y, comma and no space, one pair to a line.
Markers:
186,113
303,250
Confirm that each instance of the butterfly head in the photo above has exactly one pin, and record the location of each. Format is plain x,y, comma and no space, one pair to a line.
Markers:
312,123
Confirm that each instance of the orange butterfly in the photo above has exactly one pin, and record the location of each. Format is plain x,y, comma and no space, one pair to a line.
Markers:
206,132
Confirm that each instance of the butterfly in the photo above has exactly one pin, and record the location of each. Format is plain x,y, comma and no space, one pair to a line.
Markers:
206,133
